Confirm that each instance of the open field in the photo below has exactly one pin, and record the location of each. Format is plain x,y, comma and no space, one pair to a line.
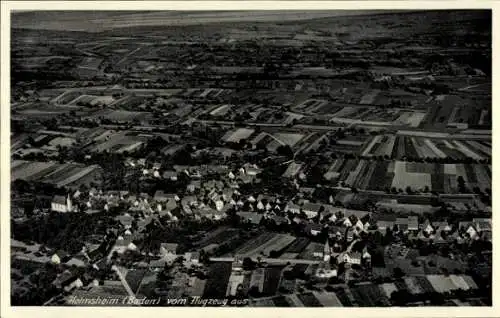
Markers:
237,134
265,244
68,174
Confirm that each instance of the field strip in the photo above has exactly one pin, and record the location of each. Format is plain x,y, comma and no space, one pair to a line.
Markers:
418,148
353,174
435,149
365,178
448,144
466,151
461,172
450,168
481,175
479,146
370,145
425,134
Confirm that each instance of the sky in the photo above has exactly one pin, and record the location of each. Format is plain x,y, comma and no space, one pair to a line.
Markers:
95,21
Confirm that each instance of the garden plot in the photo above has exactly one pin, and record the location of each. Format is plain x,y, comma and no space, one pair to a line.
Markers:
386,147
475,145
237,135
221,110
327,299
28,169
345,112
62,142
372,143
403,179
441,283
412,285
437,152
366,175
482,176
369,98
288,138
466,151
415,119
118,142
351,179
422,149
388,289
264,244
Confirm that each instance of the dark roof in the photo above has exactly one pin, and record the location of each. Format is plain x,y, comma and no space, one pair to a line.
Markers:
134,278
251,216
314,226
59,199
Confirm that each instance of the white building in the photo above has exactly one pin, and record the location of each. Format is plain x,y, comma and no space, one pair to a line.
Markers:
61,204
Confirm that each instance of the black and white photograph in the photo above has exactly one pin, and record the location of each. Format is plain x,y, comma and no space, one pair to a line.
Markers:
256,158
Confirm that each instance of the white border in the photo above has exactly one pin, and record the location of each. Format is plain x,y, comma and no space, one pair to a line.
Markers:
136,312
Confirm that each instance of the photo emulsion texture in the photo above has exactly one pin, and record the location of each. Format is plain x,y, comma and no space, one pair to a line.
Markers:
251,159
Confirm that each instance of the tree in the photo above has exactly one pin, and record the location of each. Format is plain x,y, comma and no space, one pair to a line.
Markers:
248,264
285,150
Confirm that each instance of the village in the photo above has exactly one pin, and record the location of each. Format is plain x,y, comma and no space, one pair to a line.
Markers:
318,169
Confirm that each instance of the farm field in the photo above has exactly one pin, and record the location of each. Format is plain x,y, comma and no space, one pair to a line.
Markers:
51,172
383,175
218,278
218,236
265,244
369,295
418,147
237,134
118,142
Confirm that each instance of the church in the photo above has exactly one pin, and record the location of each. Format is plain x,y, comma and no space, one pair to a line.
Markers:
62,204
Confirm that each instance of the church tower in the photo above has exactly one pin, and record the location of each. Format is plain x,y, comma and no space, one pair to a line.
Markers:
326,252
69,204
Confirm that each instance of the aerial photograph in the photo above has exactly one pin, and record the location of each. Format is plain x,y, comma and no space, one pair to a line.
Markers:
317,158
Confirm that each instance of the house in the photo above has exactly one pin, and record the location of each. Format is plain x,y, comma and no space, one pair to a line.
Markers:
472,232
366,256
192,258
189,200
280,219
293,208
413,223
349,258
170,174
292,170
78,261
327,252
312,209
439,226
61,204
402,224
482,224
332,218
347,222
260,206
77,283
59,257
207,212
125,219
314,228
359,225
385,222
250,170
251,217
325,270
64,279
349,236
193,186
168,248
427,228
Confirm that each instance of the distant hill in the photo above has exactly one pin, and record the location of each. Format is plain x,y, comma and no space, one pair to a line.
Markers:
97,21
